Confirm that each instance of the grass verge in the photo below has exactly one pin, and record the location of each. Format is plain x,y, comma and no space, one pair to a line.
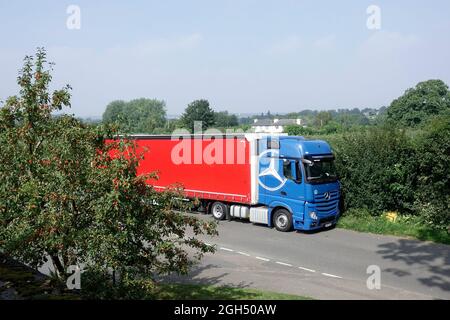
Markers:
402,227
207,292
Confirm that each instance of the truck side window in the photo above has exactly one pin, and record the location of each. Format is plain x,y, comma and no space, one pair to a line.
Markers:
287,170
298,172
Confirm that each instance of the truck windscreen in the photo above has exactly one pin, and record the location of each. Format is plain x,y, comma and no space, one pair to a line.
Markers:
320,171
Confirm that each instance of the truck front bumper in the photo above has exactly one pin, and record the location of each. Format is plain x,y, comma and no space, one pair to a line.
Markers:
310,224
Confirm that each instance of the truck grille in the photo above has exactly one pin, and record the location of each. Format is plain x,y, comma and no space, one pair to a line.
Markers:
324,221
326,207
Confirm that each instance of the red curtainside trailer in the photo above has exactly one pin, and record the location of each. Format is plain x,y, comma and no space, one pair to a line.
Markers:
210,168
271,179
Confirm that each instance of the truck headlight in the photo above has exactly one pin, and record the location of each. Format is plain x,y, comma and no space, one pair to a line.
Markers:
313,215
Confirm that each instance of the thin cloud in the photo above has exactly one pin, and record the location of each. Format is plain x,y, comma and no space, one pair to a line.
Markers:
384,44
327,42
160,46
291,44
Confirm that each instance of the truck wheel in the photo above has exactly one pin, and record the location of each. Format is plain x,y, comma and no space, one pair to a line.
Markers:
219,210
282,219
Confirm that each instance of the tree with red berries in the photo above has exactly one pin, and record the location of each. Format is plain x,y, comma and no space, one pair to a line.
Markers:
66,198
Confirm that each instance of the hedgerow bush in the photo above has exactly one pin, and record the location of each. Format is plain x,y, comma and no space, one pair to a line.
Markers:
433,172
375,169
392,169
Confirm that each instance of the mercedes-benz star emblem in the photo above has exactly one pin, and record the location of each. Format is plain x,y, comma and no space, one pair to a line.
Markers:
327,195
271,171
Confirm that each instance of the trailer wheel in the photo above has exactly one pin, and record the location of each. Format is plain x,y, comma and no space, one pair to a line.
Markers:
282,219
219,210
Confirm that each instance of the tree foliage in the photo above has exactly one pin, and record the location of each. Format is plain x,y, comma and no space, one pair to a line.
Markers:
198,110
225,120
322,118
136,116
68,196
418,104
114,111
296,130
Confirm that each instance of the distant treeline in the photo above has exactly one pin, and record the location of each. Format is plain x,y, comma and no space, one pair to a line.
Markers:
149,116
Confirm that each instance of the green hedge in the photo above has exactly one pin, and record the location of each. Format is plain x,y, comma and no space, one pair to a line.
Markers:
389,169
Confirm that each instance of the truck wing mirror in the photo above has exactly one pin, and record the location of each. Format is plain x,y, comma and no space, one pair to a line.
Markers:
308,162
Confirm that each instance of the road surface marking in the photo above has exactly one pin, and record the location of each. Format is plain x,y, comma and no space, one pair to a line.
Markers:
331,275
263,259
284,264
277,262
306,269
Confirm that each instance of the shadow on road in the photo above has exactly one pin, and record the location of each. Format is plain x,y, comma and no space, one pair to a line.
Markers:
196,277
433,258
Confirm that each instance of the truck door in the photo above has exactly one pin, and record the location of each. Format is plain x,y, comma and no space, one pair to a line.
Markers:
281,184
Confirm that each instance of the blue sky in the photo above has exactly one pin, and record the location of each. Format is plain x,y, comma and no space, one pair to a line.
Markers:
243,56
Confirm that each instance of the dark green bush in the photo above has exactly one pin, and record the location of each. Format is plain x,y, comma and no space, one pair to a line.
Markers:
375,169
295,130
433,172
389,169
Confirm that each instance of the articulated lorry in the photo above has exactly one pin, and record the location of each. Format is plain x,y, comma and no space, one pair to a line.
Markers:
278,180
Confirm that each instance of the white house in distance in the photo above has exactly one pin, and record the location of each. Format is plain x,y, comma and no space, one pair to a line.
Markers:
273,125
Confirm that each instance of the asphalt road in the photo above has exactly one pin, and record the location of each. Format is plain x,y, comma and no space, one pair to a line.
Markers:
331,264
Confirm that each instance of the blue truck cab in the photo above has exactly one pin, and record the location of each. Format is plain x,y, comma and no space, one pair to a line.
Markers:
298,183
